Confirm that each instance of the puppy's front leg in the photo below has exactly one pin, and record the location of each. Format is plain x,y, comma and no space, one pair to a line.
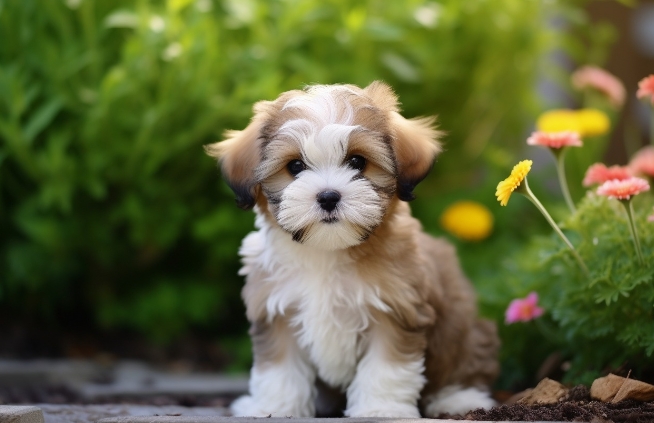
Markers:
282,381
389,377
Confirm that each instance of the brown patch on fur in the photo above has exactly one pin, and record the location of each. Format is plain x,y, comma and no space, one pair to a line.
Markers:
382,95
415,141
239,154
402,283
271,341
461,350
416,146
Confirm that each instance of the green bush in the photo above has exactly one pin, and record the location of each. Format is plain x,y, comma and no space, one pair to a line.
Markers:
597,322
112,217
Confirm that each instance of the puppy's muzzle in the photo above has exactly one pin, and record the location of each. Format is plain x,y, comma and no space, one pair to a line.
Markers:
328,200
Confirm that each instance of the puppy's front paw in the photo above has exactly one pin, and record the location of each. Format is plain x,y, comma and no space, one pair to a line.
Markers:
247,406
384,410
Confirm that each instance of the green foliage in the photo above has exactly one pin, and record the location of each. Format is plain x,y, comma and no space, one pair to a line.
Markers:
111,215
598,322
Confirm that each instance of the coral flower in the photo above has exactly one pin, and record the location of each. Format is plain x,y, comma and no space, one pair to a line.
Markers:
599,173
643,161
555,139
523,309
468,220
507,186
623,190
598,79
646,88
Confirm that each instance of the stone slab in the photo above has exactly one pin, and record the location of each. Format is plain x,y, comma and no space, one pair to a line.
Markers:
20,414
55,413
214,419
92,380
126,413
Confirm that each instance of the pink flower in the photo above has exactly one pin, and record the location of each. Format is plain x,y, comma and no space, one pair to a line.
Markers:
523,309
602,81
599,173
643,161
646,88
623,190
555,139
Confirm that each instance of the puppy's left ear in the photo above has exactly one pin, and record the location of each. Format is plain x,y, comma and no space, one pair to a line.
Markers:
239,154
416,144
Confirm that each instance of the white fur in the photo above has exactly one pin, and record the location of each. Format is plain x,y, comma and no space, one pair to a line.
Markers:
332,302
321,104
358,210
383,389
283,390
457,400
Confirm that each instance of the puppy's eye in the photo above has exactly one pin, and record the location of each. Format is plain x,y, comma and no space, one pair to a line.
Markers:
295,166
356,162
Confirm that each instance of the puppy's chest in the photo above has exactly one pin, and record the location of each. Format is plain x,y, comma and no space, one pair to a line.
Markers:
330,310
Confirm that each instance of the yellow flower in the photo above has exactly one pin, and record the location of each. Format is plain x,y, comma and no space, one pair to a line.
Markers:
507,186
593,122
587,122
559,120
468,220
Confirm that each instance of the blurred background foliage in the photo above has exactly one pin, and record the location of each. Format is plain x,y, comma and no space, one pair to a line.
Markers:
111,217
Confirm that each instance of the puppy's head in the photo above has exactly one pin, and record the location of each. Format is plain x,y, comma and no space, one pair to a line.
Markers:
329,160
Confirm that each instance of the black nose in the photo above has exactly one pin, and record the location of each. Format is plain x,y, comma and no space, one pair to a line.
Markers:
328,200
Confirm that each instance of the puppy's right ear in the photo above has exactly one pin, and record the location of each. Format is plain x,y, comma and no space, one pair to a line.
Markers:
239,155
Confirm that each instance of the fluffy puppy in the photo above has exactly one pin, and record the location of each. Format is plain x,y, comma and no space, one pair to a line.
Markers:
343,288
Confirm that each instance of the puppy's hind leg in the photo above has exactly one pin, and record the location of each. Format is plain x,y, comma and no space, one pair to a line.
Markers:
467,388
282,381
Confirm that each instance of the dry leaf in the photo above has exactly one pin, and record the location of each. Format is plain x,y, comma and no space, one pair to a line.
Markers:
547,391
614,389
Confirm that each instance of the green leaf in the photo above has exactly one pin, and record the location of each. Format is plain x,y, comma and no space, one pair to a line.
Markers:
42,118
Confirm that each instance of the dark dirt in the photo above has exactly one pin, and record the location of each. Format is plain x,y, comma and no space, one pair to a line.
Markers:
577,407
569,411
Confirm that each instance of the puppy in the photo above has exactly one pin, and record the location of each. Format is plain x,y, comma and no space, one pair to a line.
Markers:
343,288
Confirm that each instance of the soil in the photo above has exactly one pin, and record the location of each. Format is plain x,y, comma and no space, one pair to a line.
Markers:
577,407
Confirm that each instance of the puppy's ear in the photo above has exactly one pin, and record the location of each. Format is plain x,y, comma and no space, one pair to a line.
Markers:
239,155
415,141
416,144
382,96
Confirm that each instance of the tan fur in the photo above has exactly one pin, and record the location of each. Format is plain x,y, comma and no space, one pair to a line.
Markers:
431,297
433,304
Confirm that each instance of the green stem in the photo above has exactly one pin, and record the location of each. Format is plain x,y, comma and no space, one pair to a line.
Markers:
630,211
530,195
560,169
